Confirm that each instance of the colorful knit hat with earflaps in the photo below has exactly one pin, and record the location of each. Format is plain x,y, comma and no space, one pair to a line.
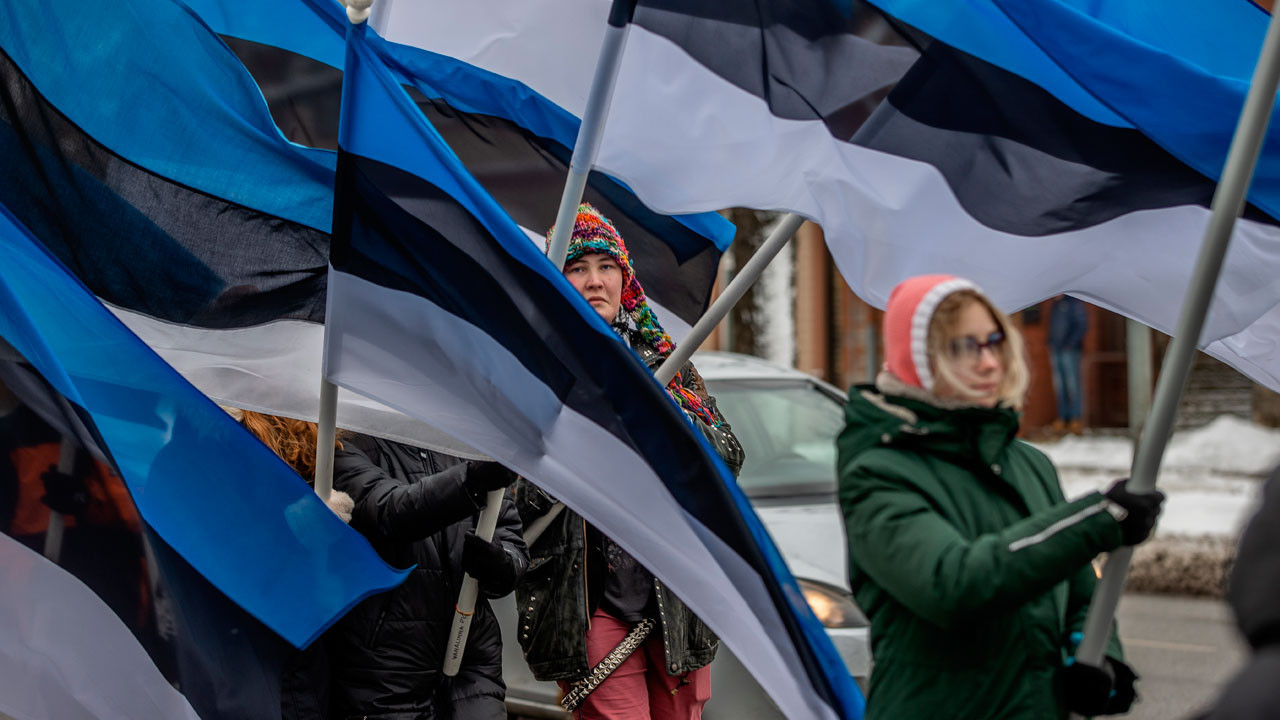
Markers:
594,233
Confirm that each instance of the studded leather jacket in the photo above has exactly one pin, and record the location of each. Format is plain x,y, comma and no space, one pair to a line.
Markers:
564,581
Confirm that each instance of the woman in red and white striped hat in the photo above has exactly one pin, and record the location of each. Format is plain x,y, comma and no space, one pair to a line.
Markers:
973,568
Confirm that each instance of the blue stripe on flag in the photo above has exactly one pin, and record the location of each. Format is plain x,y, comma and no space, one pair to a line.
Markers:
979,28
1178,71
226,503
298,26
179,104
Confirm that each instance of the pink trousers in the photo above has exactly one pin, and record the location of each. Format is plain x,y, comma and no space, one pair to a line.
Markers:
640,689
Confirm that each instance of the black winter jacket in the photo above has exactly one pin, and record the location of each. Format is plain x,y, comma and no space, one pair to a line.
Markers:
386,653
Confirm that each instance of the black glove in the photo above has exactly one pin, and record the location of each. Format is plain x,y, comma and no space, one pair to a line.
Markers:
64,493
483,476
1123,693
1106,690
489,564
1142,509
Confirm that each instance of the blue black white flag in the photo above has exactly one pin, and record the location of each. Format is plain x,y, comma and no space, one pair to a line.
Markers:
514,141
199,553
176,201
725,104
441,306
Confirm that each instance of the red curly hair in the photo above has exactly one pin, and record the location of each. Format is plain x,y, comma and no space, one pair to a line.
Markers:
293,440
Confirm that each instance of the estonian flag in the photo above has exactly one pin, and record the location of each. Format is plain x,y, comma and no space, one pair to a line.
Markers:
511,139
239,553
136,148
995,178
439,305
725,104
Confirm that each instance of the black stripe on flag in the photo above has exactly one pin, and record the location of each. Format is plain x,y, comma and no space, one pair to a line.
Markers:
524,172
810,60
1018,159
143,242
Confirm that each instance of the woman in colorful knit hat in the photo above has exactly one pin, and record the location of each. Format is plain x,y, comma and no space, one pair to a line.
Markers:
598,594
973,569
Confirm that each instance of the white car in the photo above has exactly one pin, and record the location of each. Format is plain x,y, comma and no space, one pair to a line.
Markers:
787,422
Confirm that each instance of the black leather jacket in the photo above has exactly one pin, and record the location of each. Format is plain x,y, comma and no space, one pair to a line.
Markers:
562,585
386,653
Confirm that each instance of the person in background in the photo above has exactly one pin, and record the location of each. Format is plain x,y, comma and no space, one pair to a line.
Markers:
585,598
419,508
973,569
1068,324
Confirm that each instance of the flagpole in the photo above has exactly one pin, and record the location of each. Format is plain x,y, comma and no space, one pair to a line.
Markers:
733,292
326,433
1228,202
587,145
585,149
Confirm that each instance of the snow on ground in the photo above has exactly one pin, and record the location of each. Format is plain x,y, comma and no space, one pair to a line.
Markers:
1212,475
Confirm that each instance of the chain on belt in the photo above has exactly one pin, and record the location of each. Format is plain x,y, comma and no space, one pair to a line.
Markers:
582,688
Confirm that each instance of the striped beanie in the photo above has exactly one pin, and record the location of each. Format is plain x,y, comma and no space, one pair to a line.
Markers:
594,233
906,325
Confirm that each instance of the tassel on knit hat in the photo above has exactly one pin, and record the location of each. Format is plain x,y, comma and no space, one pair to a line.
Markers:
594,233
906,325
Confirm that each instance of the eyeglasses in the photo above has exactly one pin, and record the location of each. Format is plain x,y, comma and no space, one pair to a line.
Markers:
969,348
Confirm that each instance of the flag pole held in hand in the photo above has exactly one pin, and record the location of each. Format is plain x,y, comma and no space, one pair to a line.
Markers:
466,606
1228,202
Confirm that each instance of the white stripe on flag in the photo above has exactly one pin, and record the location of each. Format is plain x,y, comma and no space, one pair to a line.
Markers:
444,362
686,140
64,655
275,368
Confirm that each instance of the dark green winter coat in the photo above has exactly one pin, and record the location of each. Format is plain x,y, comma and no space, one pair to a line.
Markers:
971,566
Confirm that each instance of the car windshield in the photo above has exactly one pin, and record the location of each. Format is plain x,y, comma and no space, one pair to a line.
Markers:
788,429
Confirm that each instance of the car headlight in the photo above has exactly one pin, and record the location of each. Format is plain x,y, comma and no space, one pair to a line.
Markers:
833,606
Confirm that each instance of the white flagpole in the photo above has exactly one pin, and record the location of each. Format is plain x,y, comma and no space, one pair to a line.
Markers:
327,418
1228,202
584,156
326,431
733,292
592,129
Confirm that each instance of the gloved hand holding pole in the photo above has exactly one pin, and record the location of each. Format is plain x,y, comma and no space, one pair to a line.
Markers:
1228,202
493,479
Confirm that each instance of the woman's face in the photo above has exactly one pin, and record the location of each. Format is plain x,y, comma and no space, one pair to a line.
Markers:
598,278
974,353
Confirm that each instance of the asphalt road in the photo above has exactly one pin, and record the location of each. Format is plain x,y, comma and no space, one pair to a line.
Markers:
1184,649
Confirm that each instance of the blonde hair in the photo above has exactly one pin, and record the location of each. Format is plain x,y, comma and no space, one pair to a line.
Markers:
293,440
1013,388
